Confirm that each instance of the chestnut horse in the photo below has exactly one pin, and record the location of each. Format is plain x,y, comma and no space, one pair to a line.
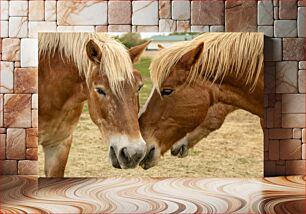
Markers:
73,68
192,76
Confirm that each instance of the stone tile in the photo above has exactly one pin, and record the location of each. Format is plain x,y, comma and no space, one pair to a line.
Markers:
17,64
301,22
6,77
301,3
32,138
4,29
1,110
143,28
2,130
101,28
302,65
199,28
293,120
301,81
119,12
275,3
167,25
207,12
297,133
18,8
32,154
285,28
50,10
18,27
280,134
290,149
277,118
35,27
294,49
145,13
36,10
269,78
11,49
119,28
34,101
273,150
267,30
15,144
239,15
27,167
217,28
8,167
269,118
89,12
287,9
180,10
295,167
286,77
293,103
183,26
4,13
280,170
29,53
34,118
265,12
303,151
17,110
304,135
75,29
269,168
164,9
275,13
2,146
26,80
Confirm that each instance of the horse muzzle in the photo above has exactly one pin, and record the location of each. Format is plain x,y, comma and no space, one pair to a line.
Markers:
126,153
151,158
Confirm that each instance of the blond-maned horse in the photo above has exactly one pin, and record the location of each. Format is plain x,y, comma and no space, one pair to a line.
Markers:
73,68
192,76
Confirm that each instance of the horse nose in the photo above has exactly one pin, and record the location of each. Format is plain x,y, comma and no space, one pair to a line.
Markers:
127,153
130,156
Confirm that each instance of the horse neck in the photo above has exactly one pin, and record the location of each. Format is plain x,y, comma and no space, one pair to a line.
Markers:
241,98
60,80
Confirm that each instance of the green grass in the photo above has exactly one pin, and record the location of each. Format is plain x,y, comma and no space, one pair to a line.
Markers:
143,66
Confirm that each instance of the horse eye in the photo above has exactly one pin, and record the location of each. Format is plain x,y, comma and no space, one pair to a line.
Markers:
100,91
140,87
166,92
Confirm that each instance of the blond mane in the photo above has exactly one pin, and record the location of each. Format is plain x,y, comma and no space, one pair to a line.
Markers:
116,62
240,54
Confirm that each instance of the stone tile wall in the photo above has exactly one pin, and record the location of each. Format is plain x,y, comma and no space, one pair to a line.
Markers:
282,21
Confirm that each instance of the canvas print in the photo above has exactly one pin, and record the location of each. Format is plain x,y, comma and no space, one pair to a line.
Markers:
151,104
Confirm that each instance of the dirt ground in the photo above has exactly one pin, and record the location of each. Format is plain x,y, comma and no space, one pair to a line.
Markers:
235,150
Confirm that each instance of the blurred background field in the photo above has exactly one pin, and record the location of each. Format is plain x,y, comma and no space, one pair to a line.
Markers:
235,150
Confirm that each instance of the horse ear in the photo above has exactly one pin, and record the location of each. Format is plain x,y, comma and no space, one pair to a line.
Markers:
136,51
160,46
191,57
93,52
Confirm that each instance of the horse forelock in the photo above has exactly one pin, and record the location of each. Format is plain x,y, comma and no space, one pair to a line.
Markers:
240,54
115,60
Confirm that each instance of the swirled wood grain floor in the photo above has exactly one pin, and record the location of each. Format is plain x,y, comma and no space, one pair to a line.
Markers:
141,195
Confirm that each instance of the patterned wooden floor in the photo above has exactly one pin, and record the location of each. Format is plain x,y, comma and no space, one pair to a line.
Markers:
140,195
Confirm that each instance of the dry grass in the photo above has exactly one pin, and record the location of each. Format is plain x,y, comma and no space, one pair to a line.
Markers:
235,150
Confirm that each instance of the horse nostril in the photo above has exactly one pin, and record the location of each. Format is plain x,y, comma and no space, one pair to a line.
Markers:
125,155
